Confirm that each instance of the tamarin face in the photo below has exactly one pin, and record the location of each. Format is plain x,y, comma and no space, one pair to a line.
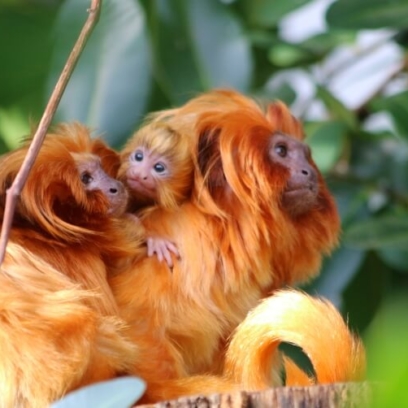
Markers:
144,171
156,164
244,158
300,193
71,187
95,180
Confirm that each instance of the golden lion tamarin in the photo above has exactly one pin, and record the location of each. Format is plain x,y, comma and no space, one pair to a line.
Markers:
59,321
157,169
156,165
259,217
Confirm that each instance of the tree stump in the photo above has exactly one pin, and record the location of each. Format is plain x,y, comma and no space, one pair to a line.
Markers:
350,395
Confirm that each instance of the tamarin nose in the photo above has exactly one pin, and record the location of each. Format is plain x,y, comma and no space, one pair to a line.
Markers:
308,173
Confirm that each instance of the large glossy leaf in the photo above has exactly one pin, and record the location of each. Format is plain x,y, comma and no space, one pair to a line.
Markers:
198,45
174,62
25,51
386,231
365,292
359,14
268,13
117,393
327,141
111,83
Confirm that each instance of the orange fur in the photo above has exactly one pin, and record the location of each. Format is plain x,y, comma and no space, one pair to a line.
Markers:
59,321
253,360
296,318
237,242
276,113
224,100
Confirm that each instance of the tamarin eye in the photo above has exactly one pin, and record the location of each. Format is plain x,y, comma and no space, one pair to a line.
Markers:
86,178
139,156
159,167
281,150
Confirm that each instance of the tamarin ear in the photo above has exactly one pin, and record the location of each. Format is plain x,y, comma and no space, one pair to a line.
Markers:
209,159
280,117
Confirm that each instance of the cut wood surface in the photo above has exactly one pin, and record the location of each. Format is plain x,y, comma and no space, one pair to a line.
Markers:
348,395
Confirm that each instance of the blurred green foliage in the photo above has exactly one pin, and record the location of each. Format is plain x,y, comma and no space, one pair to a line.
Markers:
346,78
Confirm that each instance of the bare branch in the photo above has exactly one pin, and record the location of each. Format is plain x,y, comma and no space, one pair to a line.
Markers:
14,191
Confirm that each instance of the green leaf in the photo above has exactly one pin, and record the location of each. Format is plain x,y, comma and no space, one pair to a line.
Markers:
198,45
268,13
13,126
397,106
385,231
287,55
309,51
398,178
111,83
336,108
174,60
337,272
283,92
360,14
25,51
118,393
323,43
351,199
327,141
370,158
364,294
395,258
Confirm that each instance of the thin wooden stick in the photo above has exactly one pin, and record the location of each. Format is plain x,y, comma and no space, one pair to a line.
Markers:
14,191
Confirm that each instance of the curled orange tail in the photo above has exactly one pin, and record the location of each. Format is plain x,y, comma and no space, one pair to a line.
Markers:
290,316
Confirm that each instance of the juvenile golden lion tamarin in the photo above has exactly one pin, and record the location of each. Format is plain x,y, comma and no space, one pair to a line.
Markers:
157,169
59,321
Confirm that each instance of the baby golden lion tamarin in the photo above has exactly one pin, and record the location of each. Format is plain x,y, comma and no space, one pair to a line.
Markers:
157,169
